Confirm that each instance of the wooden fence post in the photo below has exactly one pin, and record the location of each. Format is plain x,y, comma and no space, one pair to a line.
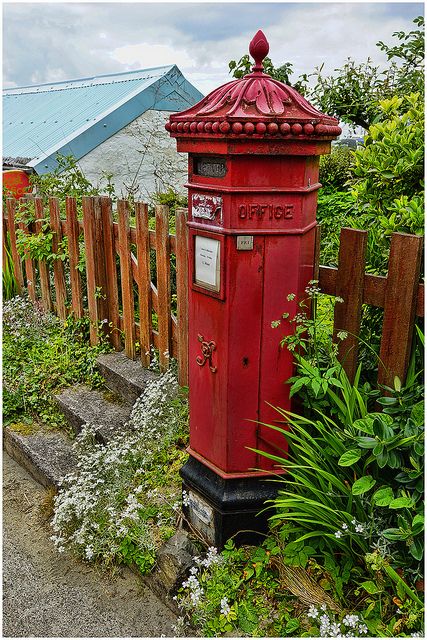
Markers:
182,293
89,236
349,287
144,281
42,264
30,272
163,285
74,255
126,278
399,307
111,285
58,266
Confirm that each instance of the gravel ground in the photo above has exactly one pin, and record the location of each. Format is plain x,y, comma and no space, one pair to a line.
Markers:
46,594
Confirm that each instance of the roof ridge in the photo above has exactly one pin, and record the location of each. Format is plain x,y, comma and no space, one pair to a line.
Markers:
87,79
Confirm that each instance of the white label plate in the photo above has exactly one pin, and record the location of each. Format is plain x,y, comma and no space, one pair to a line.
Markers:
207,262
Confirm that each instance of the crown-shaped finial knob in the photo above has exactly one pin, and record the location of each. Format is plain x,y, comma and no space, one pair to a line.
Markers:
259,48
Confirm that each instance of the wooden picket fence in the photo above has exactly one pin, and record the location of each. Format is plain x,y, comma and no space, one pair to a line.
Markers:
110,293
116,287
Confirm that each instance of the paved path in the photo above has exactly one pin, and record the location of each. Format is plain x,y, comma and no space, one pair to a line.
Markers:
50,595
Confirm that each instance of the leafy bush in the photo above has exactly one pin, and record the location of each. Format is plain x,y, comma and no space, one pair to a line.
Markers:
122,502
389,170
41,355
335,169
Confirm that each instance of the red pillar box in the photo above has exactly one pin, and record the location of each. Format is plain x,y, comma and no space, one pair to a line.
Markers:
254,147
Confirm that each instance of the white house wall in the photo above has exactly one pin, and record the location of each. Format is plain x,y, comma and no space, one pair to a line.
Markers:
142,159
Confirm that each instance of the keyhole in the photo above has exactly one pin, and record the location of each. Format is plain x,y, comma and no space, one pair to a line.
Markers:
245,361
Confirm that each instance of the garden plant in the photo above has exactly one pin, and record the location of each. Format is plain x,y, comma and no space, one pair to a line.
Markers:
343,556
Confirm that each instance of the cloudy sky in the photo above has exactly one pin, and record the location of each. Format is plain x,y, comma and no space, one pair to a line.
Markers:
45,42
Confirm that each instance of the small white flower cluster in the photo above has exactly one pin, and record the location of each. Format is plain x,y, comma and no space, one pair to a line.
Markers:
101,502
185,498
195,590
193,593
312,290
351,625
211,558
225,607
358,527
22,317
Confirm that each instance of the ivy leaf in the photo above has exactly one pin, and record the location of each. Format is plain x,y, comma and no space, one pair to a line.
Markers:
362,485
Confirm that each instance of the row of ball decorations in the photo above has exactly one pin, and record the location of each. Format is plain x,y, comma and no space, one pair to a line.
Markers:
249,128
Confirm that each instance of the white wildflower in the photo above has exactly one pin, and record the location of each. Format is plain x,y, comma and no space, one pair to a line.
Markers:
338,534
351,621
225,607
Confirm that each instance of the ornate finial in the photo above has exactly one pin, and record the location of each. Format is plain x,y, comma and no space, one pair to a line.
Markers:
259,48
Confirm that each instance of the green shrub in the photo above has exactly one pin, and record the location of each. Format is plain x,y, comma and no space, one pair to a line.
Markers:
335,169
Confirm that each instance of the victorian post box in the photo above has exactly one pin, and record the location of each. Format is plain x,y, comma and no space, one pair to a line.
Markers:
254,147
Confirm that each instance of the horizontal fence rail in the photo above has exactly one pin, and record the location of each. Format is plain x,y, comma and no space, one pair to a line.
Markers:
399,293
120,275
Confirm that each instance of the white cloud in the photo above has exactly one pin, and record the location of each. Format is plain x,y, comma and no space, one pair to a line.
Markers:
151,55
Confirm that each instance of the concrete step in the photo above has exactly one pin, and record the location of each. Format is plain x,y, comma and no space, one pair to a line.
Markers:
125,377
81,405
46,455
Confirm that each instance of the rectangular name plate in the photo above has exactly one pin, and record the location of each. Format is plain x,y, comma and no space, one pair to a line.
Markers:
210,167
207,263
206,206
245,243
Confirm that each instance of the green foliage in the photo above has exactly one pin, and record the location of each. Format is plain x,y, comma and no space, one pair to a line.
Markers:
410,51
336,169
335,209
389,170
238,591
41,355
67,179
10,283
355,90
282,73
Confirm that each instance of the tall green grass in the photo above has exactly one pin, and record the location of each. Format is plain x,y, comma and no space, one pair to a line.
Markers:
10,283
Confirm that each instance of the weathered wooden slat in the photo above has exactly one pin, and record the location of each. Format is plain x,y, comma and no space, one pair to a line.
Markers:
163,285
399,307
374,288
349,287
89,238
42,264
126,278
74,257
30,272
144,280
182,294
101,284
112,289
16,258
58,265
172,238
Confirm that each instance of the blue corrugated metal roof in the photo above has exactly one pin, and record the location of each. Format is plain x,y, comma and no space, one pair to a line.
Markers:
75,116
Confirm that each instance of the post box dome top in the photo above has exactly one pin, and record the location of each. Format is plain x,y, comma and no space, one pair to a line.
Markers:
255,105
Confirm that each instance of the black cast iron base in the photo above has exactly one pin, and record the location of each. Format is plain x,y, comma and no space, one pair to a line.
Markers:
219,508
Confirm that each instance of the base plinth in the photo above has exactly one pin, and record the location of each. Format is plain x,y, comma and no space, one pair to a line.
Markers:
219,508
